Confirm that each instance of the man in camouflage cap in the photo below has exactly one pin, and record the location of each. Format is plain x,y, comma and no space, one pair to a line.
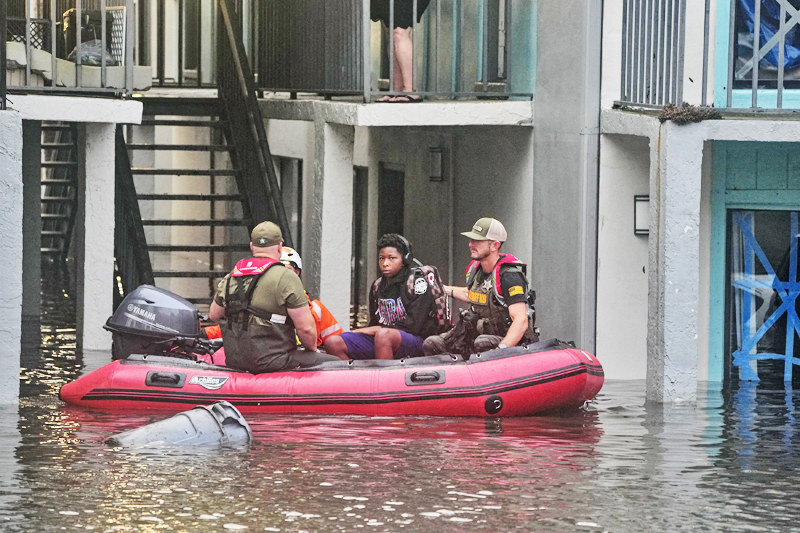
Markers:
497,290
266,310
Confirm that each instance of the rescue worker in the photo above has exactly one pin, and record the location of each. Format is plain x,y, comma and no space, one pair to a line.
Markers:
327,326
400,318
498,291
266,310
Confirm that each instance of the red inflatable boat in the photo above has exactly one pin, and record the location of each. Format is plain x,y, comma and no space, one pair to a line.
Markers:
516,381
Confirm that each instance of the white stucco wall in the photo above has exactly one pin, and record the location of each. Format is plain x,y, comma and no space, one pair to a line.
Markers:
11,258
622,258
704,291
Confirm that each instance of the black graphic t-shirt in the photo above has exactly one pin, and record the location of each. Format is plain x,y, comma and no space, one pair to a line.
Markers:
392,305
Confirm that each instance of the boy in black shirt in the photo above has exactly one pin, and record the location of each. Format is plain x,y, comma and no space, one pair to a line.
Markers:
400,319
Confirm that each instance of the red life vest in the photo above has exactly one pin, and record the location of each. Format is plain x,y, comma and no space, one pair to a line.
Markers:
254,266
240,300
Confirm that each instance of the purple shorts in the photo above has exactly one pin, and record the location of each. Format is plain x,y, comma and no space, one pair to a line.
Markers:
361,346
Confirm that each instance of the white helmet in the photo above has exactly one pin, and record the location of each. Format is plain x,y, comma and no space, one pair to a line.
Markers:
290,255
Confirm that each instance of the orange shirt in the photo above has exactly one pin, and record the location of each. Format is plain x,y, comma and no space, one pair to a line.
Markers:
327,326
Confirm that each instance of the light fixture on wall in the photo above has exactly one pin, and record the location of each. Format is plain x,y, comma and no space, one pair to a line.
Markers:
641,215
435,161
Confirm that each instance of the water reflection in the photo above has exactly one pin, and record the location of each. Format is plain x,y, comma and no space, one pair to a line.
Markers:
726,463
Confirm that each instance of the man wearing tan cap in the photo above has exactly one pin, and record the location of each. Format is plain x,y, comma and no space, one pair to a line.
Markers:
267,310
498,291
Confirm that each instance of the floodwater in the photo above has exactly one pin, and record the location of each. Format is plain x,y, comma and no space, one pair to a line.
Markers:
727,464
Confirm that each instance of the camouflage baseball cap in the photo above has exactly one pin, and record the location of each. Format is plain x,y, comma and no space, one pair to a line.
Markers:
266,234
487,229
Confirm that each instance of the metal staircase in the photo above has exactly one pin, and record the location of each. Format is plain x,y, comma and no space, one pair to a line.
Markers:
212,216
192,205
59,188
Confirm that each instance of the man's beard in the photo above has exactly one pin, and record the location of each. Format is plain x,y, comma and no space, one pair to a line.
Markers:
481,256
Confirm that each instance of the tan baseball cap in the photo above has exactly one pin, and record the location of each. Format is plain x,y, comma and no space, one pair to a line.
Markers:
266,234
487,229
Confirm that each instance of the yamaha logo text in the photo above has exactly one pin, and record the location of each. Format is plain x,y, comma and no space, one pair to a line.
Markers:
141,312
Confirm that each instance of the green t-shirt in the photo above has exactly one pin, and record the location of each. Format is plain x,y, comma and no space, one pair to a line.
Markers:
278,289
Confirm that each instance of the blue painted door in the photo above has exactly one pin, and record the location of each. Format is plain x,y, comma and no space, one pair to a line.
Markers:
763,286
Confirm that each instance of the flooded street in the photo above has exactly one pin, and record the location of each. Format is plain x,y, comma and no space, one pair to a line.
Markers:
727,463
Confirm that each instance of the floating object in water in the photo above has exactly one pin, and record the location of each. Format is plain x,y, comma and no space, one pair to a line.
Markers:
516,381
220,423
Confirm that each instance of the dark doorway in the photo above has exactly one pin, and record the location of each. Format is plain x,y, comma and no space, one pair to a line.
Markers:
290,176
391,199
358,298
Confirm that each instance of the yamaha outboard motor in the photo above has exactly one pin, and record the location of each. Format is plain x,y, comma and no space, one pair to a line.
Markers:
153,321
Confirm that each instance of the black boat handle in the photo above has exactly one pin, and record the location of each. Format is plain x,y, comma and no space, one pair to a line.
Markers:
159,377
165,379
431,377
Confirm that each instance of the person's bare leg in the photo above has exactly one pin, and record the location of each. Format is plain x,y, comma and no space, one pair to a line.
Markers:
404,60
336,346
387,98
387,342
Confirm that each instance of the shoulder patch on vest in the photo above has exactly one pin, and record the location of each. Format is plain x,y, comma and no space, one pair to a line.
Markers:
513,291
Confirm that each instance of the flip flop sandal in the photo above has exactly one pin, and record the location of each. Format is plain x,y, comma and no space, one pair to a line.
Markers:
407,99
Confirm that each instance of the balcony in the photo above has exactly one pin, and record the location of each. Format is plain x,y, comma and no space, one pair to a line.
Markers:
702,53
461,49
70,46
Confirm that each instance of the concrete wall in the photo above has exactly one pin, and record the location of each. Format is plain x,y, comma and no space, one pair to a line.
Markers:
11,258
566,123
622,258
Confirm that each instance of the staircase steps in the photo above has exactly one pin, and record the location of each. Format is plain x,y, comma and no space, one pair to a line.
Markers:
59,164
158,156
212,274
198,248
59,182
186,123
190,197
181,147
207,222
183,172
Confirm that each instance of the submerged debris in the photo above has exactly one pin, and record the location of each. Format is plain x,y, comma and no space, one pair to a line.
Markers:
687,114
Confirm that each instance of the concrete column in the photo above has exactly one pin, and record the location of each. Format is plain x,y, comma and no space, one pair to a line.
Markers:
674,259
32,219
330,243
566,169
95,235
11,201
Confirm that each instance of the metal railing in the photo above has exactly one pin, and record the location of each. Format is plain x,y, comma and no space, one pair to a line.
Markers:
130,244
653,47
48,64
768,28
759,51
462,48
258,183
333,50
